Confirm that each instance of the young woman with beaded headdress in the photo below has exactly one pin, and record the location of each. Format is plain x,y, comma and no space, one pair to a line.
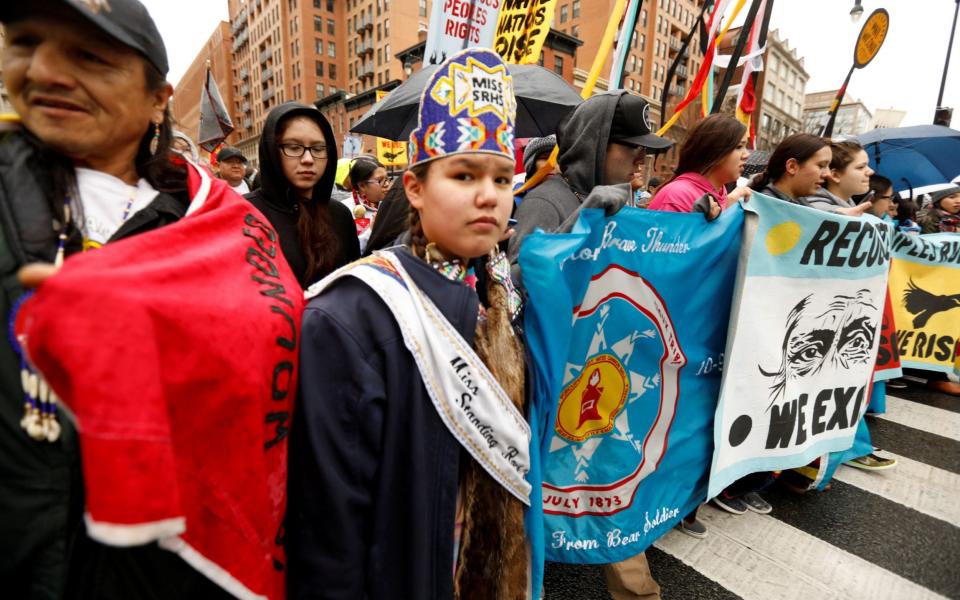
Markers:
410,448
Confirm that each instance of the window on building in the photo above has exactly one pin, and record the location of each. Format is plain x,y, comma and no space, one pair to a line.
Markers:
631,63
378,32
350,70
422,8
643,42
319,69
563,13
317,24
386,75
318,4
330,5
575,31
558,65
332,70
387,56
379,78
331,27
319,90
643,17
386,28
576,9
379,57
640,66
331,49
773,63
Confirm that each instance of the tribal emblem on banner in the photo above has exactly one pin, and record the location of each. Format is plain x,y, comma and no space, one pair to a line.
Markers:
618,404
589,405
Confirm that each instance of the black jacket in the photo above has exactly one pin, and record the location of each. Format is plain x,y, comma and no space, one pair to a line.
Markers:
374,472
277,201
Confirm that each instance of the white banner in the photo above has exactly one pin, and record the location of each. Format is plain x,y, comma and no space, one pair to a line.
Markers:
459,24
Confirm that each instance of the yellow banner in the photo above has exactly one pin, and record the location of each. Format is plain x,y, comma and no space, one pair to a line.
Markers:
925,307
522,28
389,152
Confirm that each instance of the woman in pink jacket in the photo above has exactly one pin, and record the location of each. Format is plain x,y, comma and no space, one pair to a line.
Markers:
712,156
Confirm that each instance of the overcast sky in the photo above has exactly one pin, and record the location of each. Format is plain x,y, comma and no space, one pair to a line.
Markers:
905,74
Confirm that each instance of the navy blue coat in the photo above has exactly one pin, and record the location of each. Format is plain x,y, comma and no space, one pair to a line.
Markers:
374,472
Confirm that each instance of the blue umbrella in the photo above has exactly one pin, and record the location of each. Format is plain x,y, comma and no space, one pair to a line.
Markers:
914,156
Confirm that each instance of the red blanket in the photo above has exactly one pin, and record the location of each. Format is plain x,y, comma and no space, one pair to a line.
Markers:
176,350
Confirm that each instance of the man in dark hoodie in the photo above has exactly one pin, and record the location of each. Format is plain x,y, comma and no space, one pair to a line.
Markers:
603,142
298,163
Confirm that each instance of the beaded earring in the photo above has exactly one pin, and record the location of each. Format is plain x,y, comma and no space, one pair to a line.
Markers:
155,142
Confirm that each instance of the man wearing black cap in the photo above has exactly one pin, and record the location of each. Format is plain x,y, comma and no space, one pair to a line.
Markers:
603,142
90,164
233,167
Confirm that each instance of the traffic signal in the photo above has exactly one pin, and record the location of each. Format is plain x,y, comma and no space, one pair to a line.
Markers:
942,116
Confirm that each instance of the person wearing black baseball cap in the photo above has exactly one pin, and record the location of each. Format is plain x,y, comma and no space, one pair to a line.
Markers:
603,142
90,164
233,167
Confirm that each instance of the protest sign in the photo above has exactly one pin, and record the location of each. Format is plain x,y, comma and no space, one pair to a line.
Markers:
804,335
925,287
647,299
522,29
389,152
459,24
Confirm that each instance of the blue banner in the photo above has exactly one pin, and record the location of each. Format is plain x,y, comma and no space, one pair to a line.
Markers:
803,341
627,322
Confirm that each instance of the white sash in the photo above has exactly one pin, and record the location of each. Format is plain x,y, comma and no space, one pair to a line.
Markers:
468,399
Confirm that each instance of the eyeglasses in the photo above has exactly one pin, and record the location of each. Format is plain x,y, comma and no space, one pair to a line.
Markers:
297,150
383,181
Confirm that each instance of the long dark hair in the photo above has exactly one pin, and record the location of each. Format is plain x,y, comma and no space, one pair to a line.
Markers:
319,242
361,170
708,143
799,146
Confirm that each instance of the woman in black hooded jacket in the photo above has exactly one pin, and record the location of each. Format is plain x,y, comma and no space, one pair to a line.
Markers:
298,161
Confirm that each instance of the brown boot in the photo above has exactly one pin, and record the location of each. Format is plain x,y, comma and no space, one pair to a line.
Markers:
945,387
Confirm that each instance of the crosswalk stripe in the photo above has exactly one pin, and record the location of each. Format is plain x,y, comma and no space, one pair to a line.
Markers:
917,485
759,557
923,417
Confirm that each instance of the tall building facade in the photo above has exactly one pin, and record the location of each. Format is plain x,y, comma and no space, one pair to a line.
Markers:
656,43
339,53
784,84
308,50
853,116
186,97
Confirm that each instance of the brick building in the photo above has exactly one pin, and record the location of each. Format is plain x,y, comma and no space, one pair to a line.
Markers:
186,96
780,90
338,53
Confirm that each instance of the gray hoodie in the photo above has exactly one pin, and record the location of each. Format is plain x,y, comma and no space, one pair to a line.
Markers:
583,137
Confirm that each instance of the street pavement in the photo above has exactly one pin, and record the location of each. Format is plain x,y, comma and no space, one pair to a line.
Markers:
892,534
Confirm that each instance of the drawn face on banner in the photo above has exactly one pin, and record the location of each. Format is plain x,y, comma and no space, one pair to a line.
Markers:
825,337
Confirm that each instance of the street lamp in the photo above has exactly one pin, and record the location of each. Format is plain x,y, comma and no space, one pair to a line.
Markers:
856,12
942,114
408,67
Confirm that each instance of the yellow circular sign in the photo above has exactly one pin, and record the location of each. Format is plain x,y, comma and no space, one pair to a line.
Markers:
872,35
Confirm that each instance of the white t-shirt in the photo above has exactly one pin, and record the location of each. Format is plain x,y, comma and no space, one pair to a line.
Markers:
242,188
105,199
